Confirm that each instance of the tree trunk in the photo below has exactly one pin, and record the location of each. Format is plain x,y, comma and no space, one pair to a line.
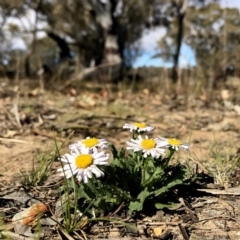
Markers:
181,11
112,57
179,43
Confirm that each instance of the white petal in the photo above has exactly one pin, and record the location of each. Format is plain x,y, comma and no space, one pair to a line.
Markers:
97,171
79,177
60,170
149,129
135,149
100,162
127,125
68,158
75,171
88,173
145,154
85,179
185,146
97,154
152,153
85,150
68,175
71,172
70,167
103,158
133,143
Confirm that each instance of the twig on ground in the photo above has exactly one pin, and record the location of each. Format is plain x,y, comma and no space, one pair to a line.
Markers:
15,140
15,108
13,121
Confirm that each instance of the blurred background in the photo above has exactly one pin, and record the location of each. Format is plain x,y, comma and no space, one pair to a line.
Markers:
167,41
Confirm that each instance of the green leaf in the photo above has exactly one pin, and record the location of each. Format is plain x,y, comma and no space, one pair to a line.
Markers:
156,176
162,206
113,150
122,154
168,187
87,192
138,204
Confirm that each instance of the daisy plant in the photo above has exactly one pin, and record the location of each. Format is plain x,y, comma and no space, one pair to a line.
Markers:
138,177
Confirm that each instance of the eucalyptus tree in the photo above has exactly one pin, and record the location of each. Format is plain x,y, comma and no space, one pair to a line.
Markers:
213,32
205,27
100,32
8,9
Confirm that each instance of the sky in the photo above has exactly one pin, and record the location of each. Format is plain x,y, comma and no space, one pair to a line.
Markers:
230,3
148,45
148,42
25,24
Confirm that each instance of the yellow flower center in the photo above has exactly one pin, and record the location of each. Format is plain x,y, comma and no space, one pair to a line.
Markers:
140,125
148,144
90,142
174,142
83,160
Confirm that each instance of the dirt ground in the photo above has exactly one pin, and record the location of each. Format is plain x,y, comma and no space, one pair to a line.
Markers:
31,120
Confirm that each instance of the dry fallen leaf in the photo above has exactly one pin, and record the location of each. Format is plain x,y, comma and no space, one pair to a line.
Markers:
34,92
72,91
225,94
10,134
27,216
146,91
157,231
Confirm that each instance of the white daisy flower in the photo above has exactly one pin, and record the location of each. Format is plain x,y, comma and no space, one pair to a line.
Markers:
148,146
173,143
83,163
92,143
138,126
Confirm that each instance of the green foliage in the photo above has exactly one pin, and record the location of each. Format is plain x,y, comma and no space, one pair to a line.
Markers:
146,181
213,32
41,168
69,206
138,183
